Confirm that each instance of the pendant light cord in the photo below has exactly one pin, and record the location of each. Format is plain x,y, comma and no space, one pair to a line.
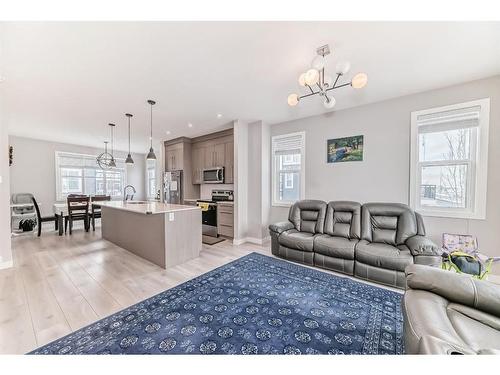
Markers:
151,139
129,135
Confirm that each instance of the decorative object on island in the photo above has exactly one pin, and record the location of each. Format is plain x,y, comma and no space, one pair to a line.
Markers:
315,77
151,153
345,149
129,159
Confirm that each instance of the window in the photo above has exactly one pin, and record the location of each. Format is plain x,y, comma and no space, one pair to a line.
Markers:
288,168
449,160
151,178
79,174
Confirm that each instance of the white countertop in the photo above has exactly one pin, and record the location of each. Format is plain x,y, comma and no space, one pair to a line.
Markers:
147,208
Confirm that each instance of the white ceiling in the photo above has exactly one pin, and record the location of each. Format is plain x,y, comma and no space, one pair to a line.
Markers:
65,81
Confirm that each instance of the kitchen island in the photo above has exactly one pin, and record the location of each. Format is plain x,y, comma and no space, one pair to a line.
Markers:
165,234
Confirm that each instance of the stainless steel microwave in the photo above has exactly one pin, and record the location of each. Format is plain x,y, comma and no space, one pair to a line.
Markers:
213,175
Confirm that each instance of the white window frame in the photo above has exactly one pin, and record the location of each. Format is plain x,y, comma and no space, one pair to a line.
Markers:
57,154
151,181
477,165
274,170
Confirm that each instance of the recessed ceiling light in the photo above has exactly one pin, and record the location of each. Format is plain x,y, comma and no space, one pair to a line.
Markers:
190,125
219,115
168,132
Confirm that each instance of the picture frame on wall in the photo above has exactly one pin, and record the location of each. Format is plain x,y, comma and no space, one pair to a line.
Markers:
339,150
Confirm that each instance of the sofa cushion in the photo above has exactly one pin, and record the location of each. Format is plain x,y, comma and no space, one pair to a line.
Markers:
308,216
343,219
390,223
338,247
294,239
383,255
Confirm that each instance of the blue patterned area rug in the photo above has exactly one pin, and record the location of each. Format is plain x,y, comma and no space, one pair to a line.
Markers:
254,305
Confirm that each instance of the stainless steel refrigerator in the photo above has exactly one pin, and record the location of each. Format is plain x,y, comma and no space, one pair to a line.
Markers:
172,187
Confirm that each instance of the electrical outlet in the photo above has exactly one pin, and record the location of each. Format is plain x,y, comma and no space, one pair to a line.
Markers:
171,216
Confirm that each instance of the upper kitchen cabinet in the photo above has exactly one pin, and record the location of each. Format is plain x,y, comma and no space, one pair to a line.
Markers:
211,151
214,153
198,164
174,156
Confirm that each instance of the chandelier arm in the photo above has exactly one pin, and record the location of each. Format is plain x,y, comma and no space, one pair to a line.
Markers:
307,95
336,80
310,88
339,86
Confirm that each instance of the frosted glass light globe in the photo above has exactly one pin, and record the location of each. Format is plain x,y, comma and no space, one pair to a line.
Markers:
293,99
328,81
312,77
302,79
329,102
318,62
359,81
342,67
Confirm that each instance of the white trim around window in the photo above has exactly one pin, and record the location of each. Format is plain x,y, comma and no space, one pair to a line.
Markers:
471,119
283,146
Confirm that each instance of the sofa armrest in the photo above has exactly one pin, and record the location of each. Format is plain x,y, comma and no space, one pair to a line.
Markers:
281,227
420,245
459,288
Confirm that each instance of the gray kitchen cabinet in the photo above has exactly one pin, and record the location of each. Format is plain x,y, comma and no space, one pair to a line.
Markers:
211,151
229,162
219,154
174,159
198,165
225,219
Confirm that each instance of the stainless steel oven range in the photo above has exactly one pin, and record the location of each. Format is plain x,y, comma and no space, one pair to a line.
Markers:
209,210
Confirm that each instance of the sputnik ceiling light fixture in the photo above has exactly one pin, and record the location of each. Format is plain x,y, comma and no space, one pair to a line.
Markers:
151,154
107,160
315,78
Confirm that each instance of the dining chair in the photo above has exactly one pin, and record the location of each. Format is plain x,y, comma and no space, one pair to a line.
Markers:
78,209
95,211
42,219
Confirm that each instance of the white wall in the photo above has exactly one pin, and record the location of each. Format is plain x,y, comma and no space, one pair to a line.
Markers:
5,247
384,173
33,170
241,184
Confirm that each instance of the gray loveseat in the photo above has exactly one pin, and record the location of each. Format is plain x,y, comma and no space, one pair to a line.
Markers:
374,241
450,313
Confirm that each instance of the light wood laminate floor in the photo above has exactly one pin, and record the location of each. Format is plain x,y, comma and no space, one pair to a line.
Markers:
60,284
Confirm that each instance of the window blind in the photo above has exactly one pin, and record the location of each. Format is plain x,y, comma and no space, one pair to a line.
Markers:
288,144
449,120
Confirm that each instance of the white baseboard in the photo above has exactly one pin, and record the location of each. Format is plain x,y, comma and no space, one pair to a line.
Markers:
7,264
254,240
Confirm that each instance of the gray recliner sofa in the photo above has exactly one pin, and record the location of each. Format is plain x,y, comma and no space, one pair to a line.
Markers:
374,241
449,313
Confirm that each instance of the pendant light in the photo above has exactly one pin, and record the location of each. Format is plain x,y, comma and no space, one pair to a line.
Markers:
129,159
104,159
151,154
112,163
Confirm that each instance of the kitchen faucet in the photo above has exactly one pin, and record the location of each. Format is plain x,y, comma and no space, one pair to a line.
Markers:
126,196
